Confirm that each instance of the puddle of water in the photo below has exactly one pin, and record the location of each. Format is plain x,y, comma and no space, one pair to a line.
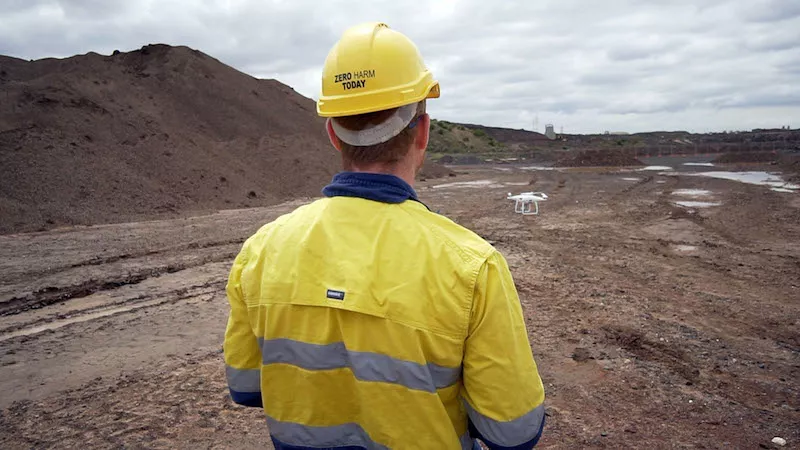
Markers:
469,184
660,181
685,248
632,179
758,178
780,189
537,168
656,168
514,183
690,204
699,164
502,169
691,192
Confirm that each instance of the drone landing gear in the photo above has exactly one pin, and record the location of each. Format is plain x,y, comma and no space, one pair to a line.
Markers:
526,208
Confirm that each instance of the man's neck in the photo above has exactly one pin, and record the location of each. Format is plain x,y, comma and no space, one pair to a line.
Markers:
403,171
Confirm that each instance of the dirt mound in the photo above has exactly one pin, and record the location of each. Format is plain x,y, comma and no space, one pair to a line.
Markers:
746,157
598,158
460,159
434,170
161,130
790,165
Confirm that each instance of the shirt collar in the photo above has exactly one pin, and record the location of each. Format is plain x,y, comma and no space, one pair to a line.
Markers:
378,187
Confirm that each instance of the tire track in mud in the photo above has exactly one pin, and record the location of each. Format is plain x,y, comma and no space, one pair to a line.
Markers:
667,356
145,253
41,325
627,203
190,283
50,295
635,186
98,261
692,215
662,201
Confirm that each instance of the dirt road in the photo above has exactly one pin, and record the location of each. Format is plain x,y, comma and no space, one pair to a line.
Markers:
654,325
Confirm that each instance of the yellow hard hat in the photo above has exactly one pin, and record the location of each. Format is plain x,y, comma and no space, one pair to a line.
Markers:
373,68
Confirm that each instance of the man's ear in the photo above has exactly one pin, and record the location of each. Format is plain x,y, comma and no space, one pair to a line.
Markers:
421,140
423,134
332,135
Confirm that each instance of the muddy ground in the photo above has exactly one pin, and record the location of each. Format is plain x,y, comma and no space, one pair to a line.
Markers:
654,325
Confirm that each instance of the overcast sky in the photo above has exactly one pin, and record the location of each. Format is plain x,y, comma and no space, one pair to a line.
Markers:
589,66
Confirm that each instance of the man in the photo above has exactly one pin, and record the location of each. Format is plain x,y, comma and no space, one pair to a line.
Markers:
363,320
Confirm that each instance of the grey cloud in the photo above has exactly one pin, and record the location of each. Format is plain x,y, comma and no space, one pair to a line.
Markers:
93,9
772,10
762,97
790,65
773,41
619,64
16,6
644,49
601,79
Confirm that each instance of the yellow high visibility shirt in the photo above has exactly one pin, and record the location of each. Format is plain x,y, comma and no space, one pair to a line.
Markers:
363,324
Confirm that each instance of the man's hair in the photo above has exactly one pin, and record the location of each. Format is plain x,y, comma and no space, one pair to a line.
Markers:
389,152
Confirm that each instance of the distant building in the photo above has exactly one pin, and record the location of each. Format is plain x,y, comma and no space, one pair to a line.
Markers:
549,131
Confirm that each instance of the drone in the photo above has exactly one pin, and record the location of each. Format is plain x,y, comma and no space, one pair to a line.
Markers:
527,203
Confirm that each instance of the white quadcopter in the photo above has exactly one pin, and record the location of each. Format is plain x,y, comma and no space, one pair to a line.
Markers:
527,203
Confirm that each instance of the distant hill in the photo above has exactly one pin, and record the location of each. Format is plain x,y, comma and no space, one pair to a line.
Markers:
453,138
469,143
510,136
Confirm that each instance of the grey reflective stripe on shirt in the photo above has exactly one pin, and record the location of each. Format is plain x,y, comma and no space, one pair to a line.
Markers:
510,433
243,380
467,443
366,366
348,434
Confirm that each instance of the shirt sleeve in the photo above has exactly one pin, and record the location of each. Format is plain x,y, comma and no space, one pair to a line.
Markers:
241,349
503,394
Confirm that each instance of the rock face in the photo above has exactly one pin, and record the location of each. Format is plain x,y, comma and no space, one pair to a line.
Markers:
158,131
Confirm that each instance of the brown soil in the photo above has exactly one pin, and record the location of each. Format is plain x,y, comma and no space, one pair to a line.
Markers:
747,157
154,132
598,158
434,170
654,326
790,165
